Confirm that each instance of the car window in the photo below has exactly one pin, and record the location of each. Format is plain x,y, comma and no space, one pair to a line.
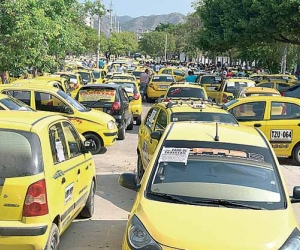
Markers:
97,95
175,92
14,104
151,117
284,110
281,86
162,79
125,95
267,85
210,79
161,121
72,139
178,73
48,102
203,117
251,111
58,144
21,95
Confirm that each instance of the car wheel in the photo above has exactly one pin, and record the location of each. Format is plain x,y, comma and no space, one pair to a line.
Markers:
88,210
130,126
121,133
140,169
149,100
53,239
138,120
296,155
95,139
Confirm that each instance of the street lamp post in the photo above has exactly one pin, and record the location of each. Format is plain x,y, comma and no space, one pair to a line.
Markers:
99,40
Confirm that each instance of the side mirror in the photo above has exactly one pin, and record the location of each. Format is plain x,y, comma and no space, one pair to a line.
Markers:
156,135
296,195
67,110
85,82
130,98
88,146
128,180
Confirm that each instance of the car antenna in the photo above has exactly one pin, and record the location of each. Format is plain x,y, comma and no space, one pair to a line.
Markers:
217,133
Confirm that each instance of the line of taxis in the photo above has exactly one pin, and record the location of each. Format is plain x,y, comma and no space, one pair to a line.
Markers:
207,174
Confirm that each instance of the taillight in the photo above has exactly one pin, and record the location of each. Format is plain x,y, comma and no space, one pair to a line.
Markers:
224,98
166,100
115,107
36,200
282,93
136,96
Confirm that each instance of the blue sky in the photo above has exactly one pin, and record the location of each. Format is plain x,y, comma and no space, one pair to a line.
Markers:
136,8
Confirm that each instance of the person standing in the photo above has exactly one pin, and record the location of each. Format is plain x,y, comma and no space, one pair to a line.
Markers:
190,77
144,79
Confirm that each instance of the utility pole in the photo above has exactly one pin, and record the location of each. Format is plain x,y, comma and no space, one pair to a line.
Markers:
99,42
116,22
283,60
111,17
166,45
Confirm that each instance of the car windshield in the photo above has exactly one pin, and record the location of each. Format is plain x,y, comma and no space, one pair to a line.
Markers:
203,117
20,154
96,74
162,79
85,76
210,80
199,171
185,92
130,88
121,77
235,87
137,74
14,104
73,102
86,95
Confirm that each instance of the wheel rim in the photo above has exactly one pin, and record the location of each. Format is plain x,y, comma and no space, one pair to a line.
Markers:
54,242
298,155
94,141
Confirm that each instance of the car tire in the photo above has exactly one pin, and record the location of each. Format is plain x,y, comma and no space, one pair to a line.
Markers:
122,133
96,140
296,155
138,120
130,126
149,100
139,169
53,239
88,209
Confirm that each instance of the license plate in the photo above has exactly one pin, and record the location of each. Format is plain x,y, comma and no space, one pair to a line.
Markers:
281,135
100,109
163,86
211,88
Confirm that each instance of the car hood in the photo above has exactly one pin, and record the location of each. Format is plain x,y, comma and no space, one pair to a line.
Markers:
98,116
205,227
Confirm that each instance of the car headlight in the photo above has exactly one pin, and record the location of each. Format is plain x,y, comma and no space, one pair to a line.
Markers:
293,241
138,236
111,125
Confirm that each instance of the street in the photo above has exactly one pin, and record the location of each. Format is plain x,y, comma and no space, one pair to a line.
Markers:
113,202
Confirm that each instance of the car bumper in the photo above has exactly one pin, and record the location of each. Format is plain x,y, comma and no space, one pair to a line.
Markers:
109,137
136,110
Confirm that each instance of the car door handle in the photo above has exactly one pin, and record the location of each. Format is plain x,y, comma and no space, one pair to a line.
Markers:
78,172
87,167
299,124
257,125
63,180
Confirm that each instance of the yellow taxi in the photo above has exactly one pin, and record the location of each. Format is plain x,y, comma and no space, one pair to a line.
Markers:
257,91
64,81
48,177
163,113
157,86
128,77
211,83
86,75
211,186
76,81
275,84
178,74
95,125
99,75
10,103
276,116
230,88
132,89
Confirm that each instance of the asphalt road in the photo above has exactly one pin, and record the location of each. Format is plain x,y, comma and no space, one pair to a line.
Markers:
113,202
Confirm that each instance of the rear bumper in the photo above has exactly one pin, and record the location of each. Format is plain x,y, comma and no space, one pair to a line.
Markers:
23,231
151,93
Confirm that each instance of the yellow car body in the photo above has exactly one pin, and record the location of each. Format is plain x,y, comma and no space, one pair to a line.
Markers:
86,75
64,81
275,84
211,83
276,116
198,193
10,103
161,114
95,125
43,191
158,85
257,91
178,74
99,75
230,88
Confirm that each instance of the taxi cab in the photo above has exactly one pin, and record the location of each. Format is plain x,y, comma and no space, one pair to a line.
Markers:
10,103
230,88
176,73
87,76
258,91
275,84
128,77
211,186
211,83
158,86
276,116
185,90
64,81
76,81
95,125
161,114
47,178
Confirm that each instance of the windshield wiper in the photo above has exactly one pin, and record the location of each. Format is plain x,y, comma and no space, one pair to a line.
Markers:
228,203
171,197
95,102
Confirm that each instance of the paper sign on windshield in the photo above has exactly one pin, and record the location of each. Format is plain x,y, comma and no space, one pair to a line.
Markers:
95,95
174,155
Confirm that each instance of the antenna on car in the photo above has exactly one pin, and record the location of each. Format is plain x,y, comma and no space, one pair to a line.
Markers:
217,133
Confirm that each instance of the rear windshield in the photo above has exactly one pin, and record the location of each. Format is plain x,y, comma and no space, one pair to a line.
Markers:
137,74
96,74
20,154
203,117
129,87
185,92
97,94
120,77
85,76
162,79
235,87
210,80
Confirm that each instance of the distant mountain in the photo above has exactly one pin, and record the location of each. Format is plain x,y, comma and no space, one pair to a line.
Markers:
139,24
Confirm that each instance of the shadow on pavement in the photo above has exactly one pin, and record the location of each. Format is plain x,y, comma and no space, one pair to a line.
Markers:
135,130
103,150
109,189
286,161
94,234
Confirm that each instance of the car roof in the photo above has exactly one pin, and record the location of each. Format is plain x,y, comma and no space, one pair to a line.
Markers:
239,79
197,131
38,86
260,90
66,73
270,98
101,86
186,85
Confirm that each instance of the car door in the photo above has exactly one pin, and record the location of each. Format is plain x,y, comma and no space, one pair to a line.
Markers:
64,177
144,134
283,127
251,114
22,95
81,163
160,124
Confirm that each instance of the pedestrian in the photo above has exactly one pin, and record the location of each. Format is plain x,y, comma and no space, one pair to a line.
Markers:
144,79
190,77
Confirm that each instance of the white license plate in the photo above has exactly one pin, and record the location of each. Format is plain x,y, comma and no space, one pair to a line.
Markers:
163,86
281,135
